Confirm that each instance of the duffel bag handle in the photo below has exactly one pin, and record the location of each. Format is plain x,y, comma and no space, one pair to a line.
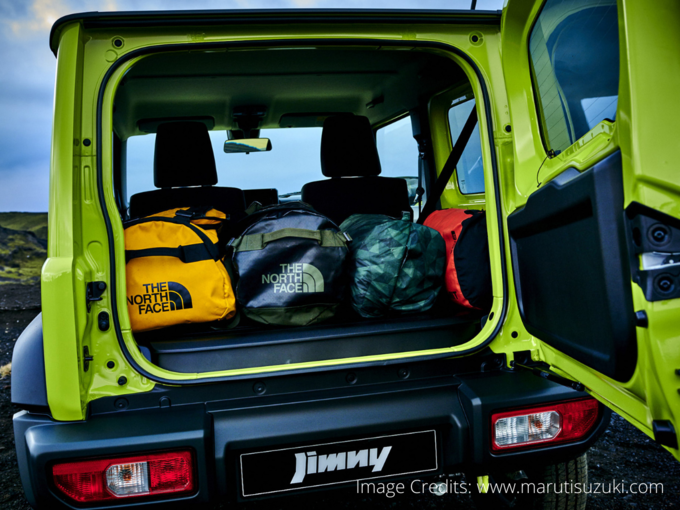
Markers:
325,238
187,254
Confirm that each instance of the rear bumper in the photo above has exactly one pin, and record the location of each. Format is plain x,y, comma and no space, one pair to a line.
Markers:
456,407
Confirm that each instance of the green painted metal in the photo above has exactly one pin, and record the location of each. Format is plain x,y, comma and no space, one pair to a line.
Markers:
645,133
88,240
59,293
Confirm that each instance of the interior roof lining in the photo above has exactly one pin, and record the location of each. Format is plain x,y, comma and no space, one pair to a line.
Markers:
328,79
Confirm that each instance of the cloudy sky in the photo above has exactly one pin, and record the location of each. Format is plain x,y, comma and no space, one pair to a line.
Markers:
28,67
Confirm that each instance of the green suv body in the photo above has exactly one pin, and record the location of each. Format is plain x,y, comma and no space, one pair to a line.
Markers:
574,165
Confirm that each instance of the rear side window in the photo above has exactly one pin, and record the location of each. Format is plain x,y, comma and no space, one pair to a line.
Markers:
398,153
397,149
470,171
574,48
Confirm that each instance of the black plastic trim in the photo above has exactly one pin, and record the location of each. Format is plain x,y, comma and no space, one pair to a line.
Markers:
220,426
571,269
42,441
481,395
332,382
272,16
230,350
664,433
643,222
29,390
287,42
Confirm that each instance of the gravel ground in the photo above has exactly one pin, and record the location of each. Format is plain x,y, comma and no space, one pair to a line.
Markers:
623,454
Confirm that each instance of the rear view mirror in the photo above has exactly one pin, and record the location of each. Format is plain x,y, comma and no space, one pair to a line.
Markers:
247,145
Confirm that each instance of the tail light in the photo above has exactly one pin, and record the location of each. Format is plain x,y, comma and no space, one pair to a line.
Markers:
89,481
556,423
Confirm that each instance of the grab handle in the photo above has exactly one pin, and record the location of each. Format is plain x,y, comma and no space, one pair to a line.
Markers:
325,238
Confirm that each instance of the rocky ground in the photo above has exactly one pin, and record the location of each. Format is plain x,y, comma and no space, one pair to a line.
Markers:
623,454
19,304
23,243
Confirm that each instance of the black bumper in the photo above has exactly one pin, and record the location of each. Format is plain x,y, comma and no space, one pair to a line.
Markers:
457,407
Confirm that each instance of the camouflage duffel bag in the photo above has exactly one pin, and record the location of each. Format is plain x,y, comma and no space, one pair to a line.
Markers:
396,266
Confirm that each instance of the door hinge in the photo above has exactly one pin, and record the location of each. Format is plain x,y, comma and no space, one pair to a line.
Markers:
550,376
654,252
94,292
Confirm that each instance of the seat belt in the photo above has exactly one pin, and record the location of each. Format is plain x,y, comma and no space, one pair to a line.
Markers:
422,164
449,167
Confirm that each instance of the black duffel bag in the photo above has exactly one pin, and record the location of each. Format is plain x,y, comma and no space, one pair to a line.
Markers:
289,262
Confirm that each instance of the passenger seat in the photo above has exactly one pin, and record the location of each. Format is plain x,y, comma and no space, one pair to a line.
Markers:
348,150
184,157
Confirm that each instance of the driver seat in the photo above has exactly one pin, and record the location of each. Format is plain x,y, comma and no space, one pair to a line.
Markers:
185,173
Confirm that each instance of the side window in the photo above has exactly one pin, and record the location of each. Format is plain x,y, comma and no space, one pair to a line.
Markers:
398,153
139,164
470,170
574,48
397,149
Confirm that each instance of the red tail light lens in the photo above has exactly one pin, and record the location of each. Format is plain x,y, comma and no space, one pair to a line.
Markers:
88,481
556,423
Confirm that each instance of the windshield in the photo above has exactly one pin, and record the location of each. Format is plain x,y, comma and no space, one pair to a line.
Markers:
295,159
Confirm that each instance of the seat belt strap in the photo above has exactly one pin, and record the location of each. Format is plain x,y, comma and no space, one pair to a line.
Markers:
420,191
449,167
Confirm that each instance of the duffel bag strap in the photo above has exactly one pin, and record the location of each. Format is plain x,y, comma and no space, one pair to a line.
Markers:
325,238
200,213
187,254
193,212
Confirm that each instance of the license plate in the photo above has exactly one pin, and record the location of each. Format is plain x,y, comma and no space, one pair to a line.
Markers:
316,465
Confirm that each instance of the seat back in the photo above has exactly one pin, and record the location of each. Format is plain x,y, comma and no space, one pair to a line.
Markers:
228,200
185,172
349,157
265,196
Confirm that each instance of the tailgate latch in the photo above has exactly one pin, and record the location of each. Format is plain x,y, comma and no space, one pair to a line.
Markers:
94,292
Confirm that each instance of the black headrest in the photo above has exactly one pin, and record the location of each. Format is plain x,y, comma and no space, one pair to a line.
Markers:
183,156
348,147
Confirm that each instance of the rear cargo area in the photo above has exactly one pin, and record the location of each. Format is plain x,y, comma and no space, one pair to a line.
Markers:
176,111
209,348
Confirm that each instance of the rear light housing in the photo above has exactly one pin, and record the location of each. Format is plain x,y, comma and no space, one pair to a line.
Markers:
561,422
105,479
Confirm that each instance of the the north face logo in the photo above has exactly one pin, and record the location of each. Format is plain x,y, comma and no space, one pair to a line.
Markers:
294,278
161,297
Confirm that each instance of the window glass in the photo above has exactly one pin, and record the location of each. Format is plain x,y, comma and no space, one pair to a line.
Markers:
398,153
470,170
574,49
397,149
139,164
293,161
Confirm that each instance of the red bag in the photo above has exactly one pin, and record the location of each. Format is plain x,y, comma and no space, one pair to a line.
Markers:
468,269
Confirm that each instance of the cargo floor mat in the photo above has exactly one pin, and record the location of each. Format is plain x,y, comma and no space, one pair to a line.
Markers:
211,348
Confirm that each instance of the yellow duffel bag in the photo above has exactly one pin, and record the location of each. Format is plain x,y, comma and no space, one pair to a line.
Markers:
174,269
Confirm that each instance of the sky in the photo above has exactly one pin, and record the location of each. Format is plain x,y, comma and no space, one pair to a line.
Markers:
28,69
